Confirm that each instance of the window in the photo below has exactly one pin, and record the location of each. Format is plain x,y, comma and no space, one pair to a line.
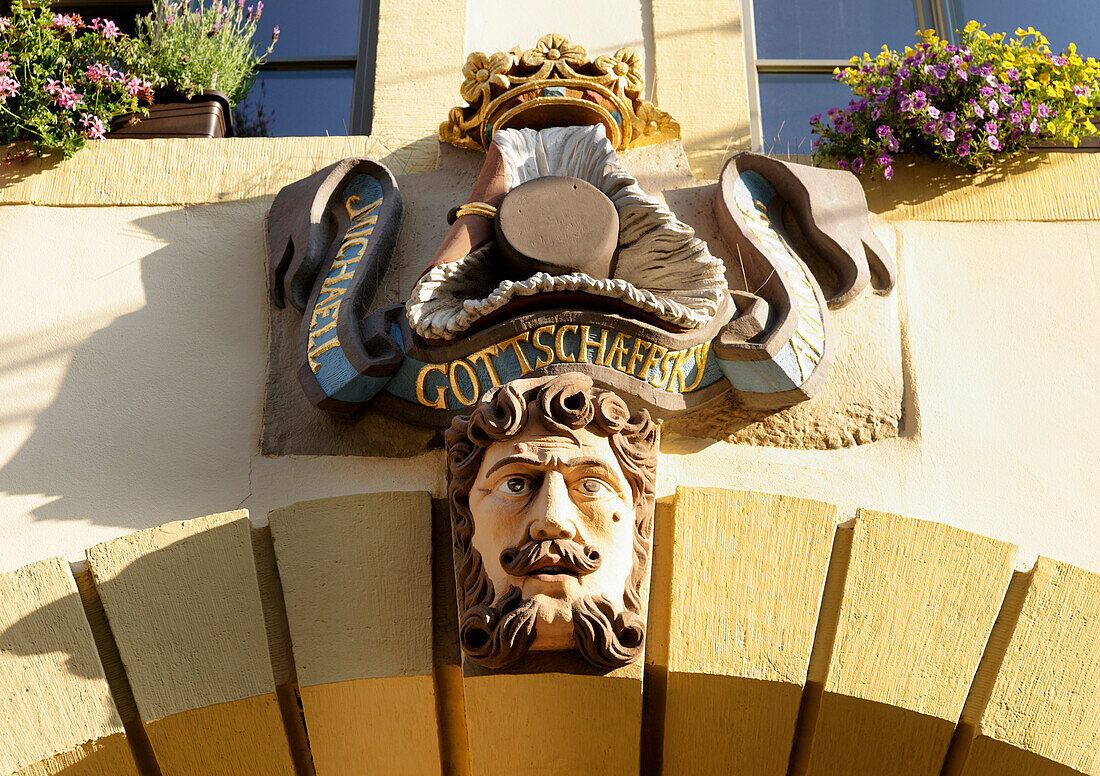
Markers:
792,47
320,76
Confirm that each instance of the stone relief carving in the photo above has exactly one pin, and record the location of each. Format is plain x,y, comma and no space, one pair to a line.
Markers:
551,485
565,314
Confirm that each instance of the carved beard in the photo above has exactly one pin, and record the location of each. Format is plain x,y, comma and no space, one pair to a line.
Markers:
499,634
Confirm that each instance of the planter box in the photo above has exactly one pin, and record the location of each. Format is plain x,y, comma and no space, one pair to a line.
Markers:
173,115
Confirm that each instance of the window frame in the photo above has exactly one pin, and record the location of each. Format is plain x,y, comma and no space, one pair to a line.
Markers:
931,14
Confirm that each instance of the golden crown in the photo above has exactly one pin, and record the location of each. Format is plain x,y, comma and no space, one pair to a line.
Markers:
555,84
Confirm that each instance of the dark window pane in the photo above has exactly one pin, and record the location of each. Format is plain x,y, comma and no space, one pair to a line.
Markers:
1062,21
787,100
812,29
318,28
300,103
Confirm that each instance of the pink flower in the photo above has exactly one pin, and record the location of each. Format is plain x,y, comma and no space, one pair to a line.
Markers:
53,86
1043,110
1033,127
5,22
93,126
963,150
888,173
96,72
63,22
5,65
259,9
993,142
64,96
135,86
110,30
9,87
275,34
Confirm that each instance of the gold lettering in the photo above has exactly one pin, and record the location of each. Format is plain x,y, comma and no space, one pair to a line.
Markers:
635,354
666,369
618,350
701,352
524,364
332,297
656,353
547,351
440,401
474,382
587,343
312,355
559,343
354,211
677,372
483,357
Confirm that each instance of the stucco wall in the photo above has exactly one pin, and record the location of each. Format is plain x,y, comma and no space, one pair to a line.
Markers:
133,341
133,368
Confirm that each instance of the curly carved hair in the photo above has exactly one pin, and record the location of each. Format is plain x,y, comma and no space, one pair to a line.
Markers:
496,633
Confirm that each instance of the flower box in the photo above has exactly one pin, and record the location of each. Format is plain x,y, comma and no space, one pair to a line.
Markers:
172,115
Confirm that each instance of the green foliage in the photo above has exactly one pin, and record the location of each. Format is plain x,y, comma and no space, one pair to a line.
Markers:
968,105
201,45
62,81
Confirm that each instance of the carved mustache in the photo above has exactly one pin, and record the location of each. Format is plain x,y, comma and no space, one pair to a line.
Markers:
520,561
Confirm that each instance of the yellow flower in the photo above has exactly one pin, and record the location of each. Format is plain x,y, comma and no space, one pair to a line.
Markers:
626,65
481,72
557,49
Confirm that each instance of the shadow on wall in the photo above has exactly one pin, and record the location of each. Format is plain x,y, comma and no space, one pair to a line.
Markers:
158,413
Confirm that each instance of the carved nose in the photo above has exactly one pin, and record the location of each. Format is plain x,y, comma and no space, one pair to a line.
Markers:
555,515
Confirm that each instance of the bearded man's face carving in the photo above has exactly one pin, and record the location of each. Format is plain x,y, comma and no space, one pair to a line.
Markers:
554,516
551,488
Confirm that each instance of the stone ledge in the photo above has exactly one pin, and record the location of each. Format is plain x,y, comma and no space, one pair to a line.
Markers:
1035,187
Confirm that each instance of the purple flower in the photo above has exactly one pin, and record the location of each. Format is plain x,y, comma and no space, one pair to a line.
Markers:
892,143
1043,110
888,173
978,111
876,113
883,160
933,111
949,117
1033,127
985,91
1007,99
947,134
993,107
929,127
990,127
963,149
815,118
1080,91
857,164
993,142
940,71
882,130
846,127
1058,60
842,164
1015,117
1013,74
962,75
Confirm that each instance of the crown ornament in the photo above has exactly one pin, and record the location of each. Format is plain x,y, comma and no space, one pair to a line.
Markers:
555,84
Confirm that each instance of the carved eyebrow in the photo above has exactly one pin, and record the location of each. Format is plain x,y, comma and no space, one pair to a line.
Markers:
530,460
535,460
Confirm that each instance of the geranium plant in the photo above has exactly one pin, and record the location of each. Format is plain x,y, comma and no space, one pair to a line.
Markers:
201,45
968,105
62,80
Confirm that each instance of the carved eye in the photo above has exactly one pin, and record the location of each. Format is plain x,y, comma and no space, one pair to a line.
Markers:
517,485
593,486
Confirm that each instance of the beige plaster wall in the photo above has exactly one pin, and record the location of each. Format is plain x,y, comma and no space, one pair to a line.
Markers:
132,368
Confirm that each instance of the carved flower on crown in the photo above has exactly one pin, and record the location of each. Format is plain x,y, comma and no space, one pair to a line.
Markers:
483,71
626,66
557,49
650,119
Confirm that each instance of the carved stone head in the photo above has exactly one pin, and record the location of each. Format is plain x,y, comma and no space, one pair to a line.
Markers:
551,484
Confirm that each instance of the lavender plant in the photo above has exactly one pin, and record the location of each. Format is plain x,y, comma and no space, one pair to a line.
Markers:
62,80
200,45
967,105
